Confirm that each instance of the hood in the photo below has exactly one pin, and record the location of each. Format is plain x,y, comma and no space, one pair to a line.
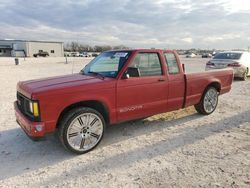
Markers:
33,86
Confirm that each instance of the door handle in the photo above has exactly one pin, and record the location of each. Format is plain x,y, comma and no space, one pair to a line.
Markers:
161,80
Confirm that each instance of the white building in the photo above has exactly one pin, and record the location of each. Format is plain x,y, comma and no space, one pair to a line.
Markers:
28,48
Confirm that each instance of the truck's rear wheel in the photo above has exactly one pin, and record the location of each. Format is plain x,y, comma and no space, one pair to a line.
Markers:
208,102
81,130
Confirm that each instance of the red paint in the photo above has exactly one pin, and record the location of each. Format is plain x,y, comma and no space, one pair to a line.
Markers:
124,99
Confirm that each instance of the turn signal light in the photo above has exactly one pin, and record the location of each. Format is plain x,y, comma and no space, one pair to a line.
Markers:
35,109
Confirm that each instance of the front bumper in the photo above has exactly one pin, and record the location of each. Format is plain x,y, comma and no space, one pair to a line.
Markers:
32,129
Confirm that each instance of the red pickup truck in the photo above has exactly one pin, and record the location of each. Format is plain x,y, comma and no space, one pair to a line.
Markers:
114,87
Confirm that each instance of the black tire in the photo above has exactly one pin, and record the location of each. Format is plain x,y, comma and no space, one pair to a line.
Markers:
200,107
67,121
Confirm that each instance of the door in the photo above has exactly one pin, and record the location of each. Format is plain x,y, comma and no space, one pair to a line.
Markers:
145,93
176,86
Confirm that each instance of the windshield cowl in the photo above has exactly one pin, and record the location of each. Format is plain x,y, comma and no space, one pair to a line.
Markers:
97,74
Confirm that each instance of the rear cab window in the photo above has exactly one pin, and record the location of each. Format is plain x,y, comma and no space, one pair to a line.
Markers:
172,64
147,63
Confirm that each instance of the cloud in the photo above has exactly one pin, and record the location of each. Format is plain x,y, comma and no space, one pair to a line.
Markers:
160,23
237,5
187,40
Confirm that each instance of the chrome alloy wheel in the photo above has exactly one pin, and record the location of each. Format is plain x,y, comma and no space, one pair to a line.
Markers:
210,100
85,132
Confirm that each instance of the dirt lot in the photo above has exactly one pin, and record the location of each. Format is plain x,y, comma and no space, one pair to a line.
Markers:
177,149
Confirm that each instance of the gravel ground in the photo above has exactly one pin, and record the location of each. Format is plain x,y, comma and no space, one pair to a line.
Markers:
177,149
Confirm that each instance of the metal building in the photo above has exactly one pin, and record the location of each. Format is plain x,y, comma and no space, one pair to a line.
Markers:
27,48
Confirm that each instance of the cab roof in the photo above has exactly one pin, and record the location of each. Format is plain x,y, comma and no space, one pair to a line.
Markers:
141,49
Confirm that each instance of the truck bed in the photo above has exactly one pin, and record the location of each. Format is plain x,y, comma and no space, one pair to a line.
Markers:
196,83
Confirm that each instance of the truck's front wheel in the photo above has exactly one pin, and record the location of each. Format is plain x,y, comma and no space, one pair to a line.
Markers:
81,130
208,102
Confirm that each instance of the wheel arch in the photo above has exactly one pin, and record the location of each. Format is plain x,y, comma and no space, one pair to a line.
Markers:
94,104
214,84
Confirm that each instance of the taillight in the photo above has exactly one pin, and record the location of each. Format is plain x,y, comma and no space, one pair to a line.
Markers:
234,65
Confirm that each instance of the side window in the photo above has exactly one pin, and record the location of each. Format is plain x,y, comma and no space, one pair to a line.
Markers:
172,64
148,64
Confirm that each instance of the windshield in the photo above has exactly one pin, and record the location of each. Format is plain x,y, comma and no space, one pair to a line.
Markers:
107,64
230,55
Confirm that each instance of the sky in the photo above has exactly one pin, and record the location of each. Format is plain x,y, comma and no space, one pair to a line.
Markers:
180,24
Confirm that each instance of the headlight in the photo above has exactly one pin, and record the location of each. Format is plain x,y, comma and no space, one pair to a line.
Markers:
33,107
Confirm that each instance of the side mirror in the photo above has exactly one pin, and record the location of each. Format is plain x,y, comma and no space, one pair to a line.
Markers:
131,72
126,76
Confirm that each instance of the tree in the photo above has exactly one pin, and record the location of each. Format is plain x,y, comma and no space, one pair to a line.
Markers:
67,47
102,48
77,47
74,46
120,47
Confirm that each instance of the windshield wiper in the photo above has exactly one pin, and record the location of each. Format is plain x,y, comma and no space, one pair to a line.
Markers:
97,74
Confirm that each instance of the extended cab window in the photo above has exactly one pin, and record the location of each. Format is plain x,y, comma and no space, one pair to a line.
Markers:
148,64
172,64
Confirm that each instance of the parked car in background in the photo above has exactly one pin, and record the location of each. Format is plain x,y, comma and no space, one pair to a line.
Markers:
214,53
84,54
239,61
67,54
41,54
75,54
115,87
206,55
191,55
95,54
